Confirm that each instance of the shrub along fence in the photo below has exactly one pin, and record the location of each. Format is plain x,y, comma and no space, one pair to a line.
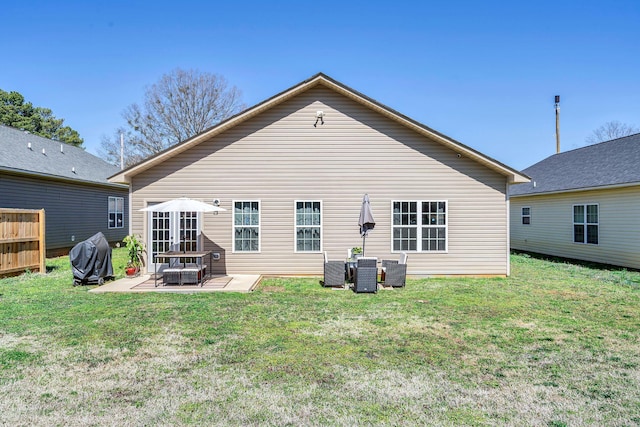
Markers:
21,241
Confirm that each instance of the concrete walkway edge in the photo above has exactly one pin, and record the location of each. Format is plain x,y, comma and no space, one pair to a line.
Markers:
238,283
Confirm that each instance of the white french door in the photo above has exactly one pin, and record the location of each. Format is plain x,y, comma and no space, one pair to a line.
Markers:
171,231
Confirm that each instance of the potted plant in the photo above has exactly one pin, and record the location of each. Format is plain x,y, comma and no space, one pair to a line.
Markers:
135,248
356,252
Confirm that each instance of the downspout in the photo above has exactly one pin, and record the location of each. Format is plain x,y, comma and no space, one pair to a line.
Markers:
508,207
130,207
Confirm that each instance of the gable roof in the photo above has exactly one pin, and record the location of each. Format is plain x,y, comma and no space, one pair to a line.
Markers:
320,79
611,163
24,153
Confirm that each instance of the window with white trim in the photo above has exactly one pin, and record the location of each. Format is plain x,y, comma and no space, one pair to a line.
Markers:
419,226
526,215
116,212
246,226
585,224
308,226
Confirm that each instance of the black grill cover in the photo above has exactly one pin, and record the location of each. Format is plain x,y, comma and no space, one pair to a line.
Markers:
91,260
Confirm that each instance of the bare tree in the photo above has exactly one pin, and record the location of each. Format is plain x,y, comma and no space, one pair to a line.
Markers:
611,130
110,148
180,105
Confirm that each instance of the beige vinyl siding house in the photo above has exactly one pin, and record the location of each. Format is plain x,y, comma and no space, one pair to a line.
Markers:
551,230
276,164
582,204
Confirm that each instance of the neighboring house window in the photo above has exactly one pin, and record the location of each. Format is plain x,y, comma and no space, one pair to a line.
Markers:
420,226
116,212
308,226
246,226
585,224
526,215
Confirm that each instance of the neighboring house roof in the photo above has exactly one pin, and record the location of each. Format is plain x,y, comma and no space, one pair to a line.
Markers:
24,153
612,163
512,175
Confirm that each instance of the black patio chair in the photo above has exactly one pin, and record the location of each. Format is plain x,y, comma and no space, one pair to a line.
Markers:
394,273
366,275
333,272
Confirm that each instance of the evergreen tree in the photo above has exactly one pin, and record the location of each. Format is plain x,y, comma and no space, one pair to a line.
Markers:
17,113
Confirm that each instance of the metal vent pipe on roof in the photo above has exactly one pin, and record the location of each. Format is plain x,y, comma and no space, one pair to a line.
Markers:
557,123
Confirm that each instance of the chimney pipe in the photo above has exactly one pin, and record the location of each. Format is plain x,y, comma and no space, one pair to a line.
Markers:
557,123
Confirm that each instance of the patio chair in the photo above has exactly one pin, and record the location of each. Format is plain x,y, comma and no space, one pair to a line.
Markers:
395,272
366,275
333,272
385,263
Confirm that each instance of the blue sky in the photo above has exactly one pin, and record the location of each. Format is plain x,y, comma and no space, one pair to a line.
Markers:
482,72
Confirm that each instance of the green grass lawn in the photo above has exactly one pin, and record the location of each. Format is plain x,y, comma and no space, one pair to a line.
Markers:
555,344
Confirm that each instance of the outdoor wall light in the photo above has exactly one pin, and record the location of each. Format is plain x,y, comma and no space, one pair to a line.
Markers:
319,116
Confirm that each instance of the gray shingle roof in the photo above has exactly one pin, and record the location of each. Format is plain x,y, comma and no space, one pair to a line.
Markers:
615,162
71,163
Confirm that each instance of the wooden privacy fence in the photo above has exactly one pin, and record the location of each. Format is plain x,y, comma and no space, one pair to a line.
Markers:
22,241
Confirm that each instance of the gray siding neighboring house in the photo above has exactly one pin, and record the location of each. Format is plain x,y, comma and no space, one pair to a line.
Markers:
67,182
582,204
293,184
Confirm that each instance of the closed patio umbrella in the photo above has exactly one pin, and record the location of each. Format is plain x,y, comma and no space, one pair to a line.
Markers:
366,221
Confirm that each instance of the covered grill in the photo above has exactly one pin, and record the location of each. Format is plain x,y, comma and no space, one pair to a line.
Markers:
91,261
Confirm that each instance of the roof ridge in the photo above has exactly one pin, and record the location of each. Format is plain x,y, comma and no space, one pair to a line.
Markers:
595,144
605,164
337,86
43,138
25,152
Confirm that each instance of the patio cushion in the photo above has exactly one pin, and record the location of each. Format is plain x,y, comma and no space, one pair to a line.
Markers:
192,274
171,276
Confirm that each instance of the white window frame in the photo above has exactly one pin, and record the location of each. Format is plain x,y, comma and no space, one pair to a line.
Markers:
585,223
419,226
115,199
234,226
297,226
523,215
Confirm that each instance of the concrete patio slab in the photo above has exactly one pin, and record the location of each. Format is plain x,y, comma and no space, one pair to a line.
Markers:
145,283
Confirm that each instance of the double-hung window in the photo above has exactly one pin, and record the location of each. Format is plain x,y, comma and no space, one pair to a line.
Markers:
116,212
308,226
585,224
246,226
420,226
526,215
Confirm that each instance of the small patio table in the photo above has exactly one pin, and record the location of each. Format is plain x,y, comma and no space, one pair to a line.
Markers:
184,255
